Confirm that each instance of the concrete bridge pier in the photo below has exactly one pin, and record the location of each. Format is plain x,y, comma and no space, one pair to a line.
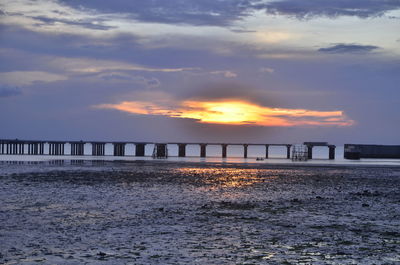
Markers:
245,147
77,148
56,148
13,148
309,151
98,149
224,150
266,151
119,149
21,148
203,151
41,148
140,149
332,152
288,151
181,150
30,148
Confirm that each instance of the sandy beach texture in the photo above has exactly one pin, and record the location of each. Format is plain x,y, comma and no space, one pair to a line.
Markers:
187,213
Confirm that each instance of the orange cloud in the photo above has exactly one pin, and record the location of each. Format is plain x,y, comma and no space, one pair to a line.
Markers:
233,112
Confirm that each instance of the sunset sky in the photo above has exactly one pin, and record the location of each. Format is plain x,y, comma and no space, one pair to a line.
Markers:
257,71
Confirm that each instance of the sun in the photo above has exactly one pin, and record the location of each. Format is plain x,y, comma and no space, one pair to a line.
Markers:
223,112
233,112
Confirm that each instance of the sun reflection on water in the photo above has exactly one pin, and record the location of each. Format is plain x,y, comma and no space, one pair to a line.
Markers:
226,177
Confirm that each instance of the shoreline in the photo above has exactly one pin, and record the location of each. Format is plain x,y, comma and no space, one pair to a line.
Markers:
220,164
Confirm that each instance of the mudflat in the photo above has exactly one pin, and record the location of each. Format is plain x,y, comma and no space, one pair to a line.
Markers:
194,213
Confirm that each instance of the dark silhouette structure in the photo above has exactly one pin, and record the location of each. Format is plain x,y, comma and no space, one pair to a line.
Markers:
357,151
57,148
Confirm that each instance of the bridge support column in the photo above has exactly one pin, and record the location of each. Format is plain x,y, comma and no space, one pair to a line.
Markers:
78,149
332,152
224,150
140,149
22,148
309,151
203,152
160,151
119,149
98,149
15,148
288,151
181,150
56,148
245,146
41,148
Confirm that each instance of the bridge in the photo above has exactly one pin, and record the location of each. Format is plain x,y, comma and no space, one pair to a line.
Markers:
77,148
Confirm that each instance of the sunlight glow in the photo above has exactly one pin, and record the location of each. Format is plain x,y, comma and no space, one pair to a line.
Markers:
233,112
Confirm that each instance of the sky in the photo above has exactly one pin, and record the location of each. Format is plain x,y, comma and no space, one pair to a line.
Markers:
246,71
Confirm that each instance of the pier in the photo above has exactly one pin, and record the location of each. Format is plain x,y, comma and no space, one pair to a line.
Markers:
77,148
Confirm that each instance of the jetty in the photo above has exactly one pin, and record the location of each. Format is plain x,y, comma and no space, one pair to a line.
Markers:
77,148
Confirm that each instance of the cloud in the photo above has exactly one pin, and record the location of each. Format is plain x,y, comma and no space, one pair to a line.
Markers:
193,12
230,112
267,70
148,82
226,73
92,66
9,91
331,8
26,78
90,24
348,48
226,12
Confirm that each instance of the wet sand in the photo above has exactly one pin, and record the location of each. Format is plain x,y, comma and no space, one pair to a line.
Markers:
193,213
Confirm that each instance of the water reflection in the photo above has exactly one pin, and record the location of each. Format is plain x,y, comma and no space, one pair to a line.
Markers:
226,177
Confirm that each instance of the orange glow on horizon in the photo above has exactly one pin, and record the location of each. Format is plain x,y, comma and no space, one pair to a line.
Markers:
233,112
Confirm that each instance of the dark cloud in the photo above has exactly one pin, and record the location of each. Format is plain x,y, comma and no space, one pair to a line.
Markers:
204,12
348,48
332,8
230,90
9,91
224,12
97,25
243,31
